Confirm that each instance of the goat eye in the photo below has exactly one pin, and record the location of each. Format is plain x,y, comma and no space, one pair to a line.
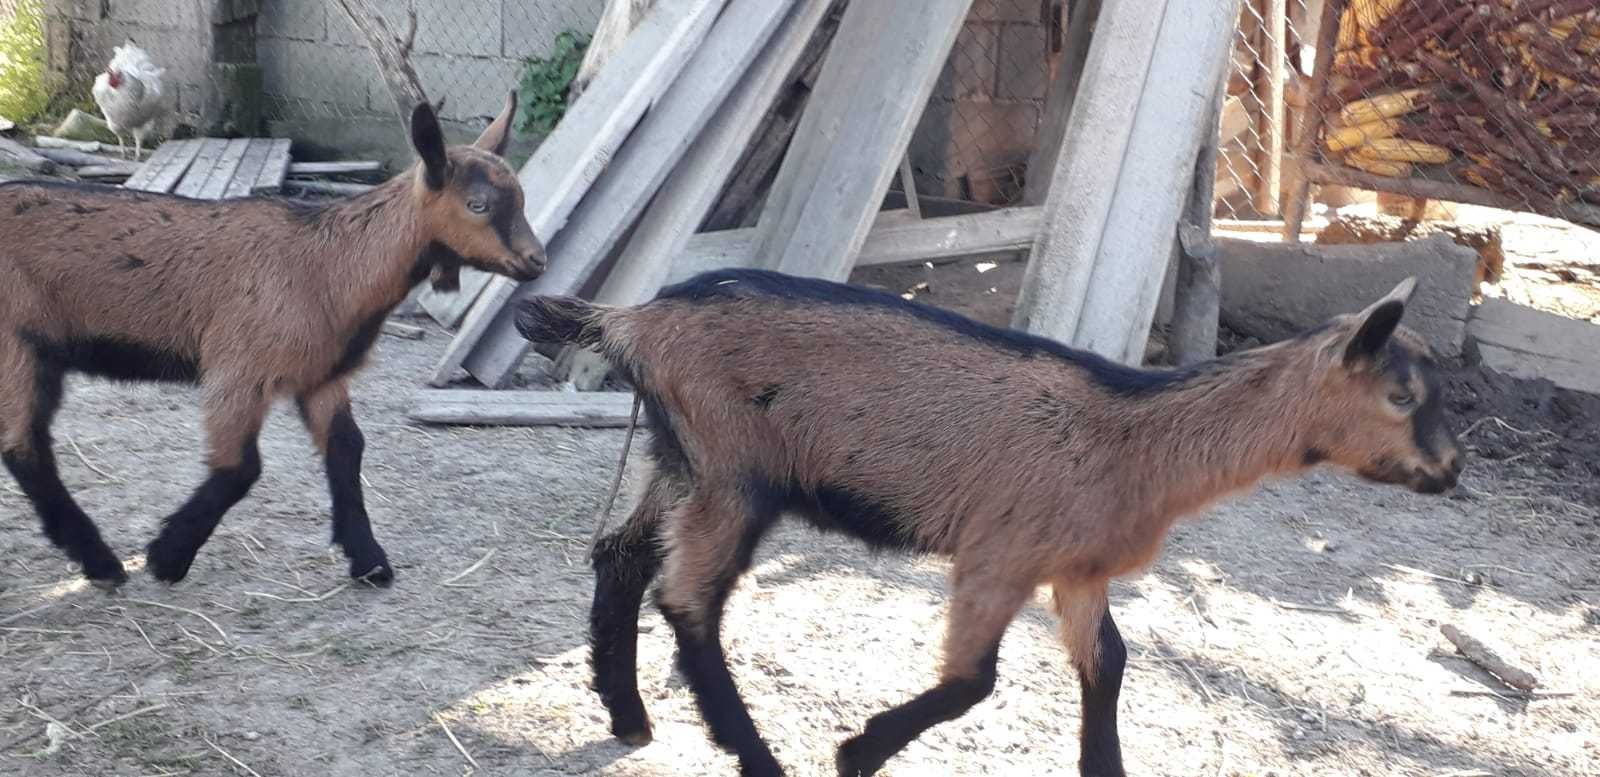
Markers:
478,206
1402,399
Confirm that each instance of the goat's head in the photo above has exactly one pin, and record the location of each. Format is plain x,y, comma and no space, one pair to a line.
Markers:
471,202
1380,407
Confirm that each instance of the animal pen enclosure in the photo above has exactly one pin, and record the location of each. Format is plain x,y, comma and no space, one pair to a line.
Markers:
622,205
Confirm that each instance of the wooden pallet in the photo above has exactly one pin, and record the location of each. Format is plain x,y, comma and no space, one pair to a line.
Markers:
215,168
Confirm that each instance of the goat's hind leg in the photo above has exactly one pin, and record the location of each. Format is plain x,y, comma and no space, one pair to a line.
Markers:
624,564
1096,649
233,421
27,407
982,605
709,544
327,416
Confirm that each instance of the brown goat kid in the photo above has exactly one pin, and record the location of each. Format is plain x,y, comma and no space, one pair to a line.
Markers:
253,299
1026,462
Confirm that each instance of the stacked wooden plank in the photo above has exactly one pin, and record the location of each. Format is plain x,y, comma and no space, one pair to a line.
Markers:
618,192
214,168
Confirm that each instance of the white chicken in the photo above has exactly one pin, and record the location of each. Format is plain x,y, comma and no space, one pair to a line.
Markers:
129,95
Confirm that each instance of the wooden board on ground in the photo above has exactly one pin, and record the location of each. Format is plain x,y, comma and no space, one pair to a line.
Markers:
613,204
165,167
897,237
522,408
1527,343
335,168
214,168
569,161
873,89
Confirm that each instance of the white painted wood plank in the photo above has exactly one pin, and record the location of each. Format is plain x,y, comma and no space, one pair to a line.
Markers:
274,169
522,408
335,168
873,88
163,169
896,238
1085,176
250,167
578,150
222,174
211,150
1174,113
614,203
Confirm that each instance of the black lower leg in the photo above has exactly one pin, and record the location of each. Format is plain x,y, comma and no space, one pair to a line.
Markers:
701,660
889,732
623,567
352,531
64,522
67,526
185,531
1101,751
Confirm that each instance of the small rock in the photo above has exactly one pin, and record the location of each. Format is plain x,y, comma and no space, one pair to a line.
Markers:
251,736
7,125
84,126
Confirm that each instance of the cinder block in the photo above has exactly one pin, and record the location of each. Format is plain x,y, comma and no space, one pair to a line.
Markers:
341,75
969,73
294,19
529,29
475,87
1274,291
159,14
343,32
470,27
85,10
1024,70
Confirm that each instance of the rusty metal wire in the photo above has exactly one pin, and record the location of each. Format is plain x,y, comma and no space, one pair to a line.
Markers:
1488,101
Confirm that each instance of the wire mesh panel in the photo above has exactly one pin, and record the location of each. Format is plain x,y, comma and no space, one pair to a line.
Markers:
980,126
1264,94
1485,101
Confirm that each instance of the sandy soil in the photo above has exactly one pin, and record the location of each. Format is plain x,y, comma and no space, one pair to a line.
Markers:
1294,632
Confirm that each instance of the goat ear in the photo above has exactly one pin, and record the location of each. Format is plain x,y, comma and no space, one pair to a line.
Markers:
427,137
1377,325
497,135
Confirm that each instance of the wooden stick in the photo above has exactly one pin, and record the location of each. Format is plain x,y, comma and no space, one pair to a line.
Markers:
235,761
1198,292
27,157
1298,189
459,748
1480,654
1423,188
1269,186
393,54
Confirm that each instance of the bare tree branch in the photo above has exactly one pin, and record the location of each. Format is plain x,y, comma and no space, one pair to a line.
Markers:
393,54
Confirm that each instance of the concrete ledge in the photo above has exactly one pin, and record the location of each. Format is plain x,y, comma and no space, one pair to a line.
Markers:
1273,291
1527,343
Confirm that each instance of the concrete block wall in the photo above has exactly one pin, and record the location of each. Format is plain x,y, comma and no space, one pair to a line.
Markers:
81,33
468,51
974,141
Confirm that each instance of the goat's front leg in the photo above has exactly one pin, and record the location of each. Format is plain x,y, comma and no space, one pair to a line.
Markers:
326,412
234,412
1097,652
983,604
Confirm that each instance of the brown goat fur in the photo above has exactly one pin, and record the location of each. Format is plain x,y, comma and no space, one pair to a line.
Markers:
1026,462
255,299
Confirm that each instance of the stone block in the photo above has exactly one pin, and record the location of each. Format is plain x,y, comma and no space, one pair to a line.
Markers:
1032,11
343,32
342,75
530,29
969,73
1527,343
295,19
466,27
1274,291
475,87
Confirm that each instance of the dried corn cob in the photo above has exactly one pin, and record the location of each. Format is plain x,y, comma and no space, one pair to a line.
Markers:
1402,150
1345,138
1381,106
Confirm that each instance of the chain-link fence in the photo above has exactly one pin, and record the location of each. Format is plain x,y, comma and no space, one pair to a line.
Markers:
1484,102
1266,79
980,126
313,64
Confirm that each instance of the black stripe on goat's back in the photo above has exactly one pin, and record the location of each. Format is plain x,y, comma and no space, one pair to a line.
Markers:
739,283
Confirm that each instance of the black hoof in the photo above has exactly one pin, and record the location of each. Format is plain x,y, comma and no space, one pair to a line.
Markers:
167,564
103,570
634,733
858,757
373,569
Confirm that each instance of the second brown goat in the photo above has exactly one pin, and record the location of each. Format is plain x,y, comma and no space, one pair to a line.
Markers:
1025,462
253,299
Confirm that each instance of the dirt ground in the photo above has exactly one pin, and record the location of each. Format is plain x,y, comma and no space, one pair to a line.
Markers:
1293,632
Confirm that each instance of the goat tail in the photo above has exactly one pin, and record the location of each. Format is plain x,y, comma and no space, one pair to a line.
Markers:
565,320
